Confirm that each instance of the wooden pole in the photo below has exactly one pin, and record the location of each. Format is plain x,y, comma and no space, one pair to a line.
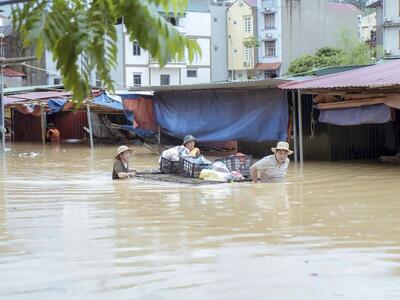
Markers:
89,118
300,126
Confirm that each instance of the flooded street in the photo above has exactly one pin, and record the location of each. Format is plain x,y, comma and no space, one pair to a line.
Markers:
67,231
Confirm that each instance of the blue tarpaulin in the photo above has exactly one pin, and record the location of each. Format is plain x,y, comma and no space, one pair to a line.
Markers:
219,115
55,105
373,114
107,101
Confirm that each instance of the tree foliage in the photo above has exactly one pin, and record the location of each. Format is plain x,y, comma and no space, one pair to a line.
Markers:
82,37
349,52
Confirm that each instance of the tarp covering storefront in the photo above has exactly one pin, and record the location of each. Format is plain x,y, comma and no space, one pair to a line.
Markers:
373,114
139,110
223,115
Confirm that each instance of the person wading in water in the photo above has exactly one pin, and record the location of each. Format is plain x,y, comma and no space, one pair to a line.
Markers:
121,168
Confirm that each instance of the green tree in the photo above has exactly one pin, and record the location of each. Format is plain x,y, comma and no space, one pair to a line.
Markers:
351,52
82,36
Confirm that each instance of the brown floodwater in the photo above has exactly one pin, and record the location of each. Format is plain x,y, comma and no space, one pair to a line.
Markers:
67,231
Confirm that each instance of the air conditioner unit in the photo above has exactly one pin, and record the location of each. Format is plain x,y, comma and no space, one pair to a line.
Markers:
387,20
267,9
268,35
388,51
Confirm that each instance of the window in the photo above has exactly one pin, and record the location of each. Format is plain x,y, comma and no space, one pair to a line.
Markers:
247,55
215,19
137,79
269,21
56,81
270,48
215,48
191,73
247,24
136,49
172,20
164,79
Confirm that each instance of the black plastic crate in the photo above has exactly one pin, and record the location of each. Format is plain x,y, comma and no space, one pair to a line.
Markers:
189,168
241,163
168,166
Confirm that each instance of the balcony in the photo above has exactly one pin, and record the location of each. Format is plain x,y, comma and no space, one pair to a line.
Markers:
269,5
171,63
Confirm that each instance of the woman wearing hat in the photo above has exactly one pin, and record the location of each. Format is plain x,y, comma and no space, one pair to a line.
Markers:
273,168
121,163
188,142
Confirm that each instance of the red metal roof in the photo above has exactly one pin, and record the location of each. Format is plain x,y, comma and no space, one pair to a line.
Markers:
9,72
342,6
268,66
380,75
252,3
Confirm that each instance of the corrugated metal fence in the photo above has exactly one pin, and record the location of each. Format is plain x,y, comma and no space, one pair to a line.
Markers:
329,142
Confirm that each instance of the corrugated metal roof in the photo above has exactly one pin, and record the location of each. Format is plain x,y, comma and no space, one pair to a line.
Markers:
343,7
385,74
9,72
220,85
21,89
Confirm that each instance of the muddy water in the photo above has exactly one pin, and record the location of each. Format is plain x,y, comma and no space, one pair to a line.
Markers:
67,231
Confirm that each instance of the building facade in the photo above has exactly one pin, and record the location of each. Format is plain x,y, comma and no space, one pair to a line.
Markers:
387,27
242,27
141,69
367,29
288,29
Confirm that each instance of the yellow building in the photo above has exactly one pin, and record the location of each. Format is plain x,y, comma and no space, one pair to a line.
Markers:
241,25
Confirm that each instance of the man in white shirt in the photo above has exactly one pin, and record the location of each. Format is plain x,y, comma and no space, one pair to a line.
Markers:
273,168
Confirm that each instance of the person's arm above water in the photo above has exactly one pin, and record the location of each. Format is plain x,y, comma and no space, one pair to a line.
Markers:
119,170
260,165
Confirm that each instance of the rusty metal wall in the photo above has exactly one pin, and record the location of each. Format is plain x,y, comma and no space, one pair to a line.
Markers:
331,142
27,128
70,124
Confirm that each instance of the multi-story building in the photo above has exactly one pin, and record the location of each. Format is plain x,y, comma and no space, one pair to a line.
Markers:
288,29
242,27
367,29
387,27
141,69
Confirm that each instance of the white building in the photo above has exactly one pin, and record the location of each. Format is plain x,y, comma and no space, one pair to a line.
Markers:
290,29
387,27
142,70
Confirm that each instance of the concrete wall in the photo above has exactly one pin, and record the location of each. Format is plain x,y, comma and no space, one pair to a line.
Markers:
310,25
391,33
219,58
117,74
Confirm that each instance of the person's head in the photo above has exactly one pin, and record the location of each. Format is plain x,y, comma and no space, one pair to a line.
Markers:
189,141
281,151
123,153
50,126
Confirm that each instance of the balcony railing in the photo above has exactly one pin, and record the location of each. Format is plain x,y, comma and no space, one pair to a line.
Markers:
169,61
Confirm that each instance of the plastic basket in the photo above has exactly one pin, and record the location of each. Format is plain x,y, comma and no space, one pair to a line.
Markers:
168,166
241,163
189,168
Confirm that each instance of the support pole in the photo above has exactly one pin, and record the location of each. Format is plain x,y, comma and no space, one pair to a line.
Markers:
2,125
294,116
89,118
43,123
300,126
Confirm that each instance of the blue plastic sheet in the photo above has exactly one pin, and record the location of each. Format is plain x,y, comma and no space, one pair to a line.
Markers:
107,101
55,105
374,114
222,115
